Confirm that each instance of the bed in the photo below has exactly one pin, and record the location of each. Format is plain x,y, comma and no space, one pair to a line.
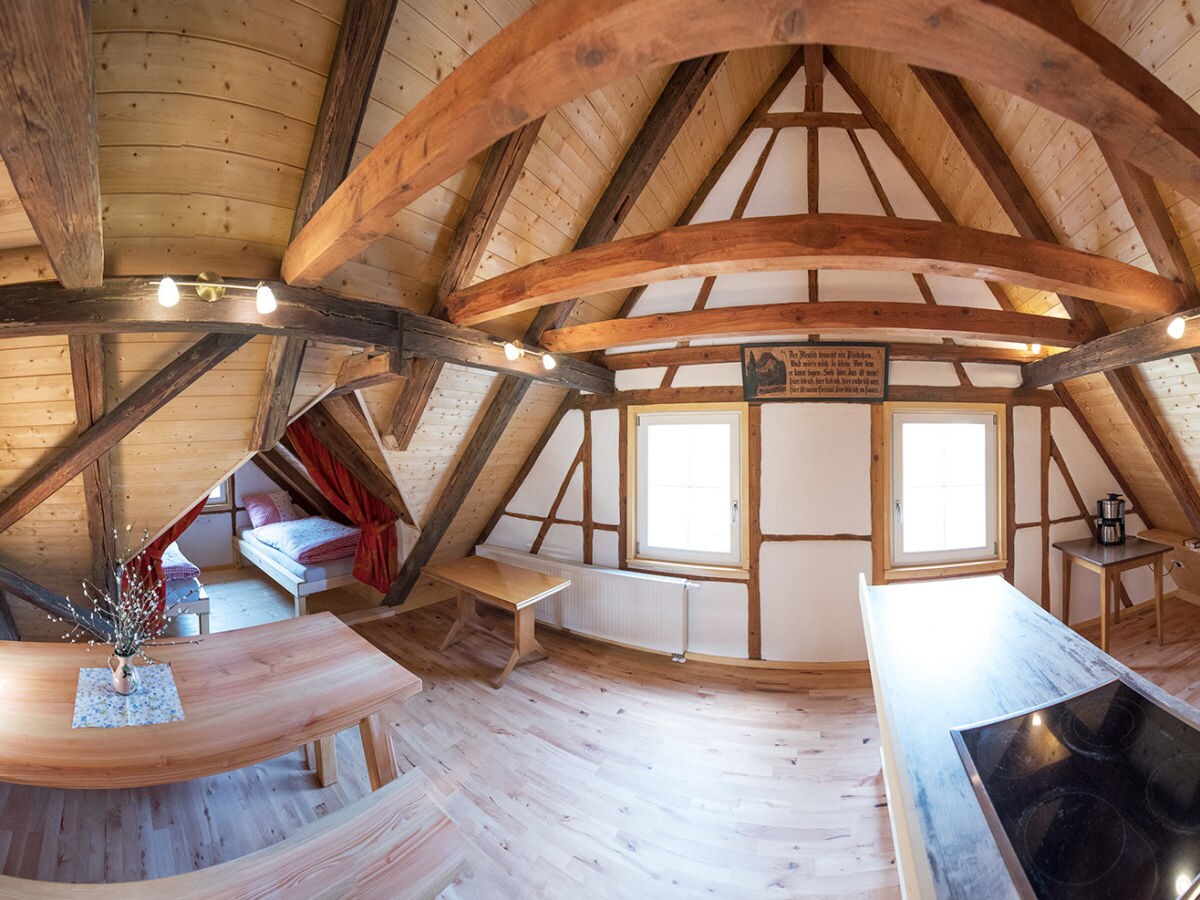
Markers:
301,579
185,593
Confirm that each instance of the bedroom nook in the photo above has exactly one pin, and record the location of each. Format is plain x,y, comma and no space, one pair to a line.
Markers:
623,448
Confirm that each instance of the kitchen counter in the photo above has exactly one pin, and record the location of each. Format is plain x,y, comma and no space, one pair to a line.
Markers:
956,652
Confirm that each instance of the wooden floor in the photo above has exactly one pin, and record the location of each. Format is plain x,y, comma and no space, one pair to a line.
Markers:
598,772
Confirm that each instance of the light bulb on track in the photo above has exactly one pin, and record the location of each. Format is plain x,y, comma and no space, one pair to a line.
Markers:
1175,329
168,292
512,351
1035,349
264,299
549,362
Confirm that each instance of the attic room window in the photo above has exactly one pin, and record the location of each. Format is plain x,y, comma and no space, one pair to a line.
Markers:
946,484
219,498
687,466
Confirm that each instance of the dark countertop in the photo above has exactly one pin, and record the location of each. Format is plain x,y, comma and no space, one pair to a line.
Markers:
1110,554
956,652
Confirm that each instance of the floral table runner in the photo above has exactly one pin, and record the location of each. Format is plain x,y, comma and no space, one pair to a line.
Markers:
155,701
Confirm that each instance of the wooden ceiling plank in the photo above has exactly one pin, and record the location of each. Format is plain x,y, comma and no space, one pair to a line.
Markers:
343,446
503,166
88,386
812,242
48,134
959,111
279,387
1035,51
732,353
798,318
666,118
105,434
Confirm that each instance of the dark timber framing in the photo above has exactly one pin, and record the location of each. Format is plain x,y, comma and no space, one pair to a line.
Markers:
501,169
291,476
48,135
662,125
19,586
87,383
161,389
8,625
279,386
956,106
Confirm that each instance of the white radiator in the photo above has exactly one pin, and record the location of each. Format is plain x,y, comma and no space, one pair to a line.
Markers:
648,611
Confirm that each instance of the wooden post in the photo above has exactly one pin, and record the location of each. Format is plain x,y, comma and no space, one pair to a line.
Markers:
88,386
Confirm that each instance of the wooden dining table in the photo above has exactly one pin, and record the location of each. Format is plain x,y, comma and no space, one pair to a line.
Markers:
247,695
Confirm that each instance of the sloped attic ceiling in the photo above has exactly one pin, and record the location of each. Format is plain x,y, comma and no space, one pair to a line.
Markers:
205,121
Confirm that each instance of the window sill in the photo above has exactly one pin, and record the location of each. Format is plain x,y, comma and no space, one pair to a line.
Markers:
688,570
947,570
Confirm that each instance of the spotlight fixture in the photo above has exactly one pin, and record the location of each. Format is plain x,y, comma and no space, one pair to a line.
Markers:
264,299
513,350
168,292
1175,329
211,287
548,362
1035,349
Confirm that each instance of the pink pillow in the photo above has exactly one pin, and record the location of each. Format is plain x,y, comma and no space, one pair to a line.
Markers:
267,509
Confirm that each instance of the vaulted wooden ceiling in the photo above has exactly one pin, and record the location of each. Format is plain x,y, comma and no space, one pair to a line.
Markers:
204,123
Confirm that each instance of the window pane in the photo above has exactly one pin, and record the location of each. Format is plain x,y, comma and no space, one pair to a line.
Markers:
689,489
945,486
218,492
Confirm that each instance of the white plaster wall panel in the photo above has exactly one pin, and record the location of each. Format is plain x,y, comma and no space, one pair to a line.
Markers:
791,98
718,205
667,297
816,468
637,348
949,290
1085,585
902,192
835,99
783,187
516,534
1027,463
605,549
810,600
1027,563
845,187
1061,502
537,492
563,542
639,379
572,501
904,371
606,467
758,289
989,375
709,375
1087,469
884,287
719,620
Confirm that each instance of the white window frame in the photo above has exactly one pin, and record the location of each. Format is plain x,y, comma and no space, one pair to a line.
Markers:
224,503
735,415
992,417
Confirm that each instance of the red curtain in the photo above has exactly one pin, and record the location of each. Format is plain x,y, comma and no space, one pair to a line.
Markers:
147,567
375,561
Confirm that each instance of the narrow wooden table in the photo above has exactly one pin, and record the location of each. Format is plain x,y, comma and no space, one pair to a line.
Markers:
502,586
1109,561
248,696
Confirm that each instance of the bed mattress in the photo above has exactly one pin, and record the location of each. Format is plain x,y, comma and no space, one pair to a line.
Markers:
183,589
321,571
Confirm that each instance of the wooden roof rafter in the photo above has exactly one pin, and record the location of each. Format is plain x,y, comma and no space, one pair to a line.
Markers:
1036,51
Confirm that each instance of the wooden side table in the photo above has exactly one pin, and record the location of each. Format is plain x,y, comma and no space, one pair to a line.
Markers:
1109,561
506,587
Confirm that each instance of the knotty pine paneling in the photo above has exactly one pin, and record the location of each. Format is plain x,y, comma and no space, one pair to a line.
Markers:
206,114
15,228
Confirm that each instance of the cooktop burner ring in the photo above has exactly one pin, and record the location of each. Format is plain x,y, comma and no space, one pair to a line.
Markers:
1179,770
1006,753
1121,725
1049,827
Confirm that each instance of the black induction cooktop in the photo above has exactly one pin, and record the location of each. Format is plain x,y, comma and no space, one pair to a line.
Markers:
1094,796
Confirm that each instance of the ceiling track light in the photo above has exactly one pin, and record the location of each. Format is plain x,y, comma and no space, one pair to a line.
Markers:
1176,327
211,287
515,350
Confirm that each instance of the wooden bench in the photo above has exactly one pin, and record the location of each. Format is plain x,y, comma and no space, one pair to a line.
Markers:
395,842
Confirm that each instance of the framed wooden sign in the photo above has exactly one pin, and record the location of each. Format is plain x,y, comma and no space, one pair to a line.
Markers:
815,371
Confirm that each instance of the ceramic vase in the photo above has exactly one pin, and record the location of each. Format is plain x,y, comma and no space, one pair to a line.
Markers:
124,674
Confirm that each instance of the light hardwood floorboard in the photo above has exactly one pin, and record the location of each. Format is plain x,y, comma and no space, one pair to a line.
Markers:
598,772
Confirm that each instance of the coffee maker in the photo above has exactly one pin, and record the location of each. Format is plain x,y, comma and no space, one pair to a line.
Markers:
1110,520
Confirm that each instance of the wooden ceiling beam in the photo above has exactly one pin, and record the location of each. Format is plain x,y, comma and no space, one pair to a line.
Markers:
503,166
1039,52
157,392
803,318
43,598
812,242
88,386
48,135
364,370
279,387
666,118
959,111
815,119
8,625
732,353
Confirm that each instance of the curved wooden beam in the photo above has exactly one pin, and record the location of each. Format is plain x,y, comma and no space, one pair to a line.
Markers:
824,318
564,49
826,241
